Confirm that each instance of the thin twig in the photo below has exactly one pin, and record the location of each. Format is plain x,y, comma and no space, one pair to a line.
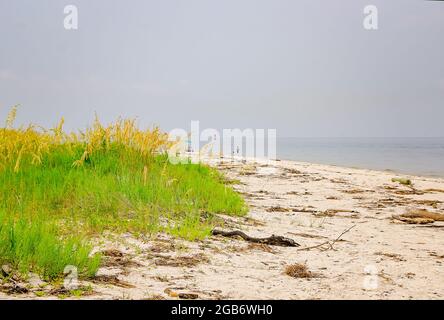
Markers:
329,243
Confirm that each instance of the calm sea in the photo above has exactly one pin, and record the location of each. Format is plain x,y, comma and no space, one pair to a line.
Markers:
418,156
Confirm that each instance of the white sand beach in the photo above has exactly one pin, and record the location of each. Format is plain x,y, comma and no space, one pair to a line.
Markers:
378,258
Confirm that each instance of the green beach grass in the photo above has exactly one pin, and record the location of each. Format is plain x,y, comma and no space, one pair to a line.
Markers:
50,209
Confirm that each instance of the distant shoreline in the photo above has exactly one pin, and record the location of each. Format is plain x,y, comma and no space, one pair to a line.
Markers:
388,170
411,156
287,161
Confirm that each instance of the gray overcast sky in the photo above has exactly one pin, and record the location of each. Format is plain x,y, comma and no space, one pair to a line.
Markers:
307,68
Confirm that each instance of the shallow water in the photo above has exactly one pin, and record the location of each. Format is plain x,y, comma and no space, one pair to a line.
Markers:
418,156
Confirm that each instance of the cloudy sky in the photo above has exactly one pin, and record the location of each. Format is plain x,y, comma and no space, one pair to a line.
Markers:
307,68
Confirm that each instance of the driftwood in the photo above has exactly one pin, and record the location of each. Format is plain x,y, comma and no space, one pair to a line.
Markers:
273,240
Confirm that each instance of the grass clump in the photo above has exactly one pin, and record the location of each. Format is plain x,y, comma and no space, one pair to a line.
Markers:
35,246
54,185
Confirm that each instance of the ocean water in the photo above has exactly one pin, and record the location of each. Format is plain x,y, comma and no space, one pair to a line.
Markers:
417,156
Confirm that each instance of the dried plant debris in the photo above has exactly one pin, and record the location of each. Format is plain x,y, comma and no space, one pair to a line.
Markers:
401,201
339,181
338,212
309,209
250,247
112,280
117,261
424,214
389,187
154,297
248,195
159,247
278,209
228,181
394,256
291,171
181,295
261,247
430,203
188,295
181,261
411,191
253,222
308,235
161,278
295,193
12,287
247,170
419,217
63,292
388,202
384,276
434,190
436,255
413,220
112,253
299,270
355,191
226,166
